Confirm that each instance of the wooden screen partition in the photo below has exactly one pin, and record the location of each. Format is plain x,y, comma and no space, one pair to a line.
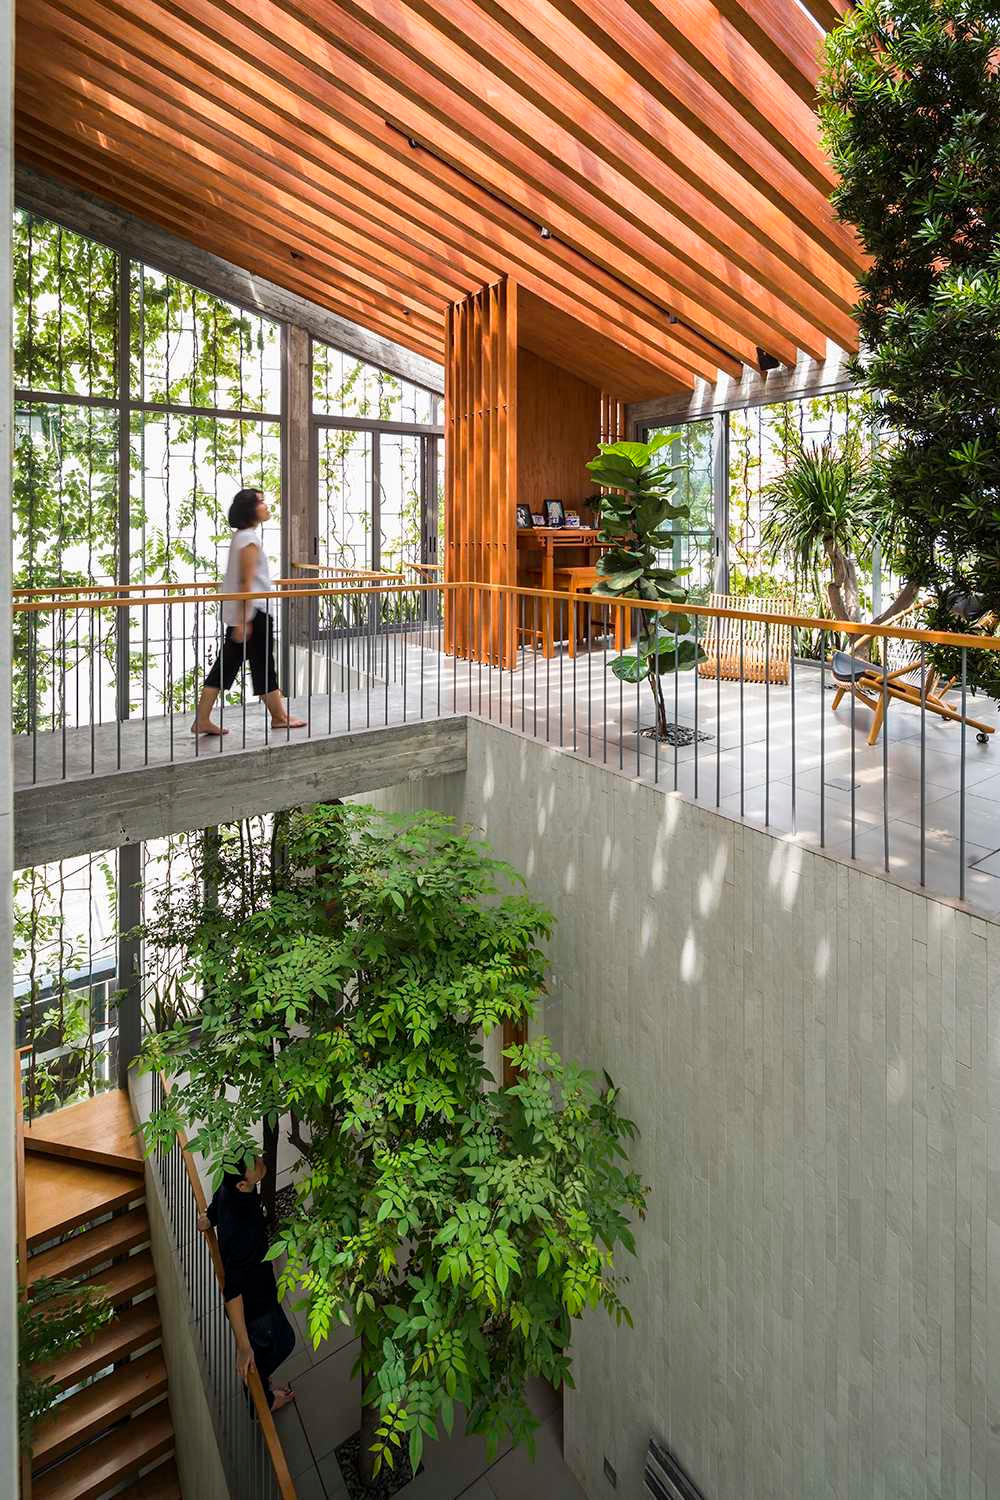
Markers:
481,469
525,410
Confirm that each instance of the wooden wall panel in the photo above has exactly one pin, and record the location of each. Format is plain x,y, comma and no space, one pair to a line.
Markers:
558,424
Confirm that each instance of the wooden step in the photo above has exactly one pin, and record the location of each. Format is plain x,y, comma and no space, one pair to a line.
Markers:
128,1279
99,1130
161,1483
60,1195
83,1252
117,1457
133,1329
97,1407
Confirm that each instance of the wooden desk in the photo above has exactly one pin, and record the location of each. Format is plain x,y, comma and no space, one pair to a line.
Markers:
574,546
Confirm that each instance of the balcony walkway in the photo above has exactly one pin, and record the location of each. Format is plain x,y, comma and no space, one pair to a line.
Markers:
805,774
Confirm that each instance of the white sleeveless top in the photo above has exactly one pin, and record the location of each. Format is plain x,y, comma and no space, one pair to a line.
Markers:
232,609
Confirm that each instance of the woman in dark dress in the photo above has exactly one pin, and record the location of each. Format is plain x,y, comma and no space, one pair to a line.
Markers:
264,1336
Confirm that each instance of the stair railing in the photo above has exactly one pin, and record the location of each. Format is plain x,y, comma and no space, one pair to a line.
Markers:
252,1455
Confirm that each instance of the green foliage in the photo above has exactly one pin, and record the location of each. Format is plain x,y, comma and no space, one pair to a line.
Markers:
821,513
461,1227
911,114
635,516
60,1316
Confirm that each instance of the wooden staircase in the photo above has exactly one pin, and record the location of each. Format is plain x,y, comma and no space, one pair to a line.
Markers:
85,1219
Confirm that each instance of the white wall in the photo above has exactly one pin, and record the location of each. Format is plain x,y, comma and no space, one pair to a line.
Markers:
812,1055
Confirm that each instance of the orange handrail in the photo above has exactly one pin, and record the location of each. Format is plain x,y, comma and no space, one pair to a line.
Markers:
807,622
275,1451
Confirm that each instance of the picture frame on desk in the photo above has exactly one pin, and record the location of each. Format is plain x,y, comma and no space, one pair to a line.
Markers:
538,518
525,518
555,513
572,520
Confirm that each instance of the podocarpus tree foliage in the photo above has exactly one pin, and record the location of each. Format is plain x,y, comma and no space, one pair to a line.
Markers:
635,515
60,1315
460,1226
911,113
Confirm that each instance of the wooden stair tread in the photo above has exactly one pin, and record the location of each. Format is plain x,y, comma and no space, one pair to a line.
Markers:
83,1252
127,1279
97,1407
60,1194
100,1130
132,1329
119,1456
162,1483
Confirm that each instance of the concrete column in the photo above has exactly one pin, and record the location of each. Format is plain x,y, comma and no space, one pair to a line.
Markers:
129,958
8,1215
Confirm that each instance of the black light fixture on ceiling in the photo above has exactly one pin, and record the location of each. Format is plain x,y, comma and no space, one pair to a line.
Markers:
545,232
766,361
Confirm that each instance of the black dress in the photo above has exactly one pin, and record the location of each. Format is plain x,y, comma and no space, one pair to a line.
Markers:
238,1219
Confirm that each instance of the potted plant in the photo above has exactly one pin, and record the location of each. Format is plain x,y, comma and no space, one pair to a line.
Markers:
635,513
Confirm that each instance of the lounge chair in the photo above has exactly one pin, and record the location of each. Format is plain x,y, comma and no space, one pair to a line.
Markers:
875,685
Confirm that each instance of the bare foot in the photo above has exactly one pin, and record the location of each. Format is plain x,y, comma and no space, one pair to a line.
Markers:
288,723
207,727
283,1396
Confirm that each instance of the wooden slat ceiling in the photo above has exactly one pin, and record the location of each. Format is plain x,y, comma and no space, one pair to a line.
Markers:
652,169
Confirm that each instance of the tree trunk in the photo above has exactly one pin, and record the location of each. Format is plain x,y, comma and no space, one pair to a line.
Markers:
369,1428
269,1187
842,590
656,685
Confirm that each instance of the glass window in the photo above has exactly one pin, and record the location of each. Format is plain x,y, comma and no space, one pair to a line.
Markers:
344,386
65,310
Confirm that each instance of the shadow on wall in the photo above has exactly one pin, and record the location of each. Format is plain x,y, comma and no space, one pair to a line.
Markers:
806,1049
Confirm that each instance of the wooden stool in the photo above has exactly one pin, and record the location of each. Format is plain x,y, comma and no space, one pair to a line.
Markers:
576,581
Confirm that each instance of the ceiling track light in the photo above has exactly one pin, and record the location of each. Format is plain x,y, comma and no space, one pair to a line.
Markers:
545,232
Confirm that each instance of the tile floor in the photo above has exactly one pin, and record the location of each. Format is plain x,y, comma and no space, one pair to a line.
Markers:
777,756
326,1412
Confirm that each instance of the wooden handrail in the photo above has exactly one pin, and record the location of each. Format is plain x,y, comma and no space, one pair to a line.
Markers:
21,1229
806,622
275,1451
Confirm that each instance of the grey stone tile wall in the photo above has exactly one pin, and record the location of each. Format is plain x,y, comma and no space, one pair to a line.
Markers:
812,1055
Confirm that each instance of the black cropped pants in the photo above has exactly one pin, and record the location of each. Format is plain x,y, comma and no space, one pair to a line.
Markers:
257,652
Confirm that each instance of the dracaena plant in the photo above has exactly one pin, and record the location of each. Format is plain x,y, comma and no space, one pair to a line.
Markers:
459,1226
635,516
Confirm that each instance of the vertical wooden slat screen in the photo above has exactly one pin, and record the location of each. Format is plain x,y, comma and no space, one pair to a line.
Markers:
481,470
612,419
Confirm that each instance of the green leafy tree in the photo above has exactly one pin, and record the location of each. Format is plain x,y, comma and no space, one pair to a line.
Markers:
910,106
59,1316
635,516
461,1226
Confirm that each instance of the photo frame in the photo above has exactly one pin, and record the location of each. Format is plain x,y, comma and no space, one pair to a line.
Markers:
555,513
524,516
538,518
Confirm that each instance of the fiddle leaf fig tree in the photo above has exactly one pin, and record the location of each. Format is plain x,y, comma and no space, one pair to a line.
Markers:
634,518
460,1226
910,105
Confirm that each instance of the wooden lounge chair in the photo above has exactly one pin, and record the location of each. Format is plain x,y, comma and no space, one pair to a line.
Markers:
747,648
876,685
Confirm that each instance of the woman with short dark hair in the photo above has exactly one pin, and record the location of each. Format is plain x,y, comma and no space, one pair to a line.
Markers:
249,627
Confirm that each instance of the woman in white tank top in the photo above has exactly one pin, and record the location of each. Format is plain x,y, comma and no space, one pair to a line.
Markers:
249,624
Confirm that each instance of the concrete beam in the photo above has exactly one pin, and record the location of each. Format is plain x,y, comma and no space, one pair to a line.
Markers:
124,807
810,377
168,253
